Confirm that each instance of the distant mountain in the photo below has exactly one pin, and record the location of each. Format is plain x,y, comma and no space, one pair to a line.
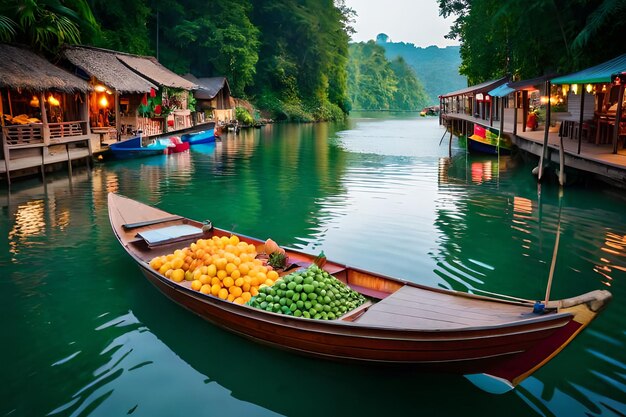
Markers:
437,68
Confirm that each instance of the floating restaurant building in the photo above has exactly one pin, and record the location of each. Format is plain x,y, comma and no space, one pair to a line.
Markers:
575,121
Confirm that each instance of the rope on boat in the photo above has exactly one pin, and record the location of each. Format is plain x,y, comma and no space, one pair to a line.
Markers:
524,300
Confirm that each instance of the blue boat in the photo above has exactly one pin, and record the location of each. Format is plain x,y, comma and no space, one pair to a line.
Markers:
203,136
488,140
131,148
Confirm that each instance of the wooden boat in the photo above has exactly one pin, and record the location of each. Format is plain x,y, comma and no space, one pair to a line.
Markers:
402,323
174,145
488,140
204,136
132,148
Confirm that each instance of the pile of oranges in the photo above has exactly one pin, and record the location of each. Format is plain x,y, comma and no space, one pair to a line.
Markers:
222,266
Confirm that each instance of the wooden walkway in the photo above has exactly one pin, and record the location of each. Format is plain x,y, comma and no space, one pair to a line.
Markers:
596,159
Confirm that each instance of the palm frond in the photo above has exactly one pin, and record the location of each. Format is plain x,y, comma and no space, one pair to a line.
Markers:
7,28
601,16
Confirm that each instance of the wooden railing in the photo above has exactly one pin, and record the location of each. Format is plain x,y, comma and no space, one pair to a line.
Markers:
36,133
67,129
29,134
149,127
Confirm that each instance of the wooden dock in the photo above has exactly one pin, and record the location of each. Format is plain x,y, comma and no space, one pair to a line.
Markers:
597,160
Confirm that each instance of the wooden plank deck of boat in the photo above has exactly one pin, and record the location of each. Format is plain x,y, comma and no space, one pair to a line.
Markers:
415,308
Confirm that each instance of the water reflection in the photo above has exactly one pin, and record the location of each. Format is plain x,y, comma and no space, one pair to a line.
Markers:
372,193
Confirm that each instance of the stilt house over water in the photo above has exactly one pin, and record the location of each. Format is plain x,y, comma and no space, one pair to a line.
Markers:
117,90
170,104
44,115
213,99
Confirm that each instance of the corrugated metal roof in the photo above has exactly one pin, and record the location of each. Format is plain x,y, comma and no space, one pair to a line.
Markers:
208,88
530,84
599,74
478,88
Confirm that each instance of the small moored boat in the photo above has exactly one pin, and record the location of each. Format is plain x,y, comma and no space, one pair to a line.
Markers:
401,323
204,136
488,140
132,148
174,145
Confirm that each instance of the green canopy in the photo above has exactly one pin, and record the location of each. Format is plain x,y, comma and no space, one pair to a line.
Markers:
599,74
501,91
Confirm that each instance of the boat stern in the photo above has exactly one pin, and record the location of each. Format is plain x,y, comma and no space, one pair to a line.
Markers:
583,309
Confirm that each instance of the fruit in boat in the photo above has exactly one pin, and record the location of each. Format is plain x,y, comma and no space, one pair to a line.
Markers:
320,296
224,267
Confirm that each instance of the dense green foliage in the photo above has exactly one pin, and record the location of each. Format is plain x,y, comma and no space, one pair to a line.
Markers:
375,83
303,57
437,68
529,38
46,24
288,56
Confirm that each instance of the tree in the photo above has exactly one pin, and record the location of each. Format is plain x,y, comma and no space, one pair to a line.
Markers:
303,54
528,38
47,24
377,84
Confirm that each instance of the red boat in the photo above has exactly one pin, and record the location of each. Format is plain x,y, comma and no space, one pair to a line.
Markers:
174,145
401,323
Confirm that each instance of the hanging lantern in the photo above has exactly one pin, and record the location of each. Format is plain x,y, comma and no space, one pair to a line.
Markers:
34,102
157,109
575,88
589,87
144,100
103,102
53,101
604,88
152,92
565,89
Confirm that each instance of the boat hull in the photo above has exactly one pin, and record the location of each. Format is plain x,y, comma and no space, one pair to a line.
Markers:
131,148
457,352
205,136
502,338
485,148
488,140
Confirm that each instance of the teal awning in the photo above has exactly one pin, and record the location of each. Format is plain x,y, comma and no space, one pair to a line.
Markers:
501,91
599,74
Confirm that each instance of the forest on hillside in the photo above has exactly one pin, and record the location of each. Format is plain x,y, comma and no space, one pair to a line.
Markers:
375,83
529,38
289,56
437,68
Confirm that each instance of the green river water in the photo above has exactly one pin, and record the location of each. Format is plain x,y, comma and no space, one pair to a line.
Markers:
83,332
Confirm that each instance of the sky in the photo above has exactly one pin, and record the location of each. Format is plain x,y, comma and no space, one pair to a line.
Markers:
410,21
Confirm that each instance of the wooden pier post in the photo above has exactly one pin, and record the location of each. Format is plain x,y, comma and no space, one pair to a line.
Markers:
515,104
618,117
580,121
546,131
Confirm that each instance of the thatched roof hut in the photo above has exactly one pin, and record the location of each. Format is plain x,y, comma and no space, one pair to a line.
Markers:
104,65
208,88
21,68
151,69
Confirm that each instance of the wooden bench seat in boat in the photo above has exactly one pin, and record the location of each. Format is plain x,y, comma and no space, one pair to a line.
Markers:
415,308
170,234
